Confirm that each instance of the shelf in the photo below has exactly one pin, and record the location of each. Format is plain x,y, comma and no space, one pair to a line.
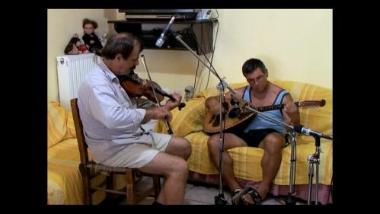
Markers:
198,34
162,21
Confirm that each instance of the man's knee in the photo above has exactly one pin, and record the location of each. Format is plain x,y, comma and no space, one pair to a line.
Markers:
213,143
184,146
274,143
180,168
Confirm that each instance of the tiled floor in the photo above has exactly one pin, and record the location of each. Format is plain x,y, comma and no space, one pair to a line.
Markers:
197,195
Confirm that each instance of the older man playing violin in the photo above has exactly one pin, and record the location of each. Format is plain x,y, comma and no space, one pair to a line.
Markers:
112,122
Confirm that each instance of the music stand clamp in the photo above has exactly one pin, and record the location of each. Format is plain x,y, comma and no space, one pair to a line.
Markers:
292,173
314,161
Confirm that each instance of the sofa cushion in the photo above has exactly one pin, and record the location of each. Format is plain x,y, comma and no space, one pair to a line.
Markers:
187,120
57,128
70,133
320,118
246,161
64,179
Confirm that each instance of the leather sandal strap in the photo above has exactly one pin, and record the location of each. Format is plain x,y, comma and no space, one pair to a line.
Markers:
255,195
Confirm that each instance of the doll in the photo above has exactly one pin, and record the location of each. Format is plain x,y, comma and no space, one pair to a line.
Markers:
75,46
89,37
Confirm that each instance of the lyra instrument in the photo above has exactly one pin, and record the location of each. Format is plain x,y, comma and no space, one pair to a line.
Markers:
234,113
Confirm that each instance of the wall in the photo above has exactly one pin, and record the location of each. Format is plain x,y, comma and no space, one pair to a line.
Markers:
62,24
294,44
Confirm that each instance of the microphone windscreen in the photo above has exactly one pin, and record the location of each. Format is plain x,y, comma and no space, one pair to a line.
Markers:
298,128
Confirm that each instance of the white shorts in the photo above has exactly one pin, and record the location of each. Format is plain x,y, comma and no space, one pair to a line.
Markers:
137,155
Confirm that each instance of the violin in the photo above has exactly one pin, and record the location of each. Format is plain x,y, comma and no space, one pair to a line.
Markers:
137,87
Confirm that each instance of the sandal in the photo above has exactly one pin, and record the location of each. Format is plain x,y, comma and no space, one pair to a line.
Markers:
255,195
237,198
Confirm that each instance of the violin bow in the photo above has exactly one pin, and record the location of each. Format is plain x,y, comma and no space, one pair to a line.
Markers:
170,131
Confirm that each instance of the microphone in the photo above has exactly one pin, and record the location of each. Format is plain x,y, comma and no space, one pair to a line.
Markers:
301,129
222,85
160,41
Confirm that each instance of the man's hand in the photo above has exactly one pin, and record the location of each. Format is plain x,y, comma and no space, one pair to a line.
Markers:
291,113
170,104
213,106
157,113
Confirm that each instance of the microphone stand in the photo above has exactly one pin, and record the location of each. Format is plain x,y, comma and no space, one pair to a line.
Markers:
292,173
314,165
219,199
314,161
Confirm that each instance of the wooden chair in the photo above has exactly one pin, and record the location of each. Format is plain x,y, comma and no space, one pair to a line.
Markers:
90,169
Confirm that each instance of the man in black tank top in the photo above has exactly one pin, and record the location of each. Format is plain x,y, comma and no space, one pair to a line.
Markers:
270,140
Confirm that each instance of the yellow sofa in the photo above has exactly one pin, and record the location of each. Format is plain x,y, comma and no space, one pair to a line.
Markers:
64,185
188,123
64,180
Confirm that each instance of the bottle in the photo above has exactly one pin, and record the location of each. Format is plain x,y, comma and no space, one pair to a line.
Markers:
103,39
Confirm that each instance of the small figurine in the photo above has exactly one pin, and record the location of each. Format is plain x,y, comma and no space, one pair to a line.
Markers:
89,37
75,46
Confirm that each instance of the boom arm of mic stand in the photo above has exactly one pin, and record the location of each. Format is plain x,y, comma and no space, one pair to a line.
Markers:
219,199
290,127
179,39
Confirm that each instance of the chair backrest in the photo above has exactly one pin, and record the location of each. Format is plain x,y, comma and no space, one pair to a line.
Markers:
79,132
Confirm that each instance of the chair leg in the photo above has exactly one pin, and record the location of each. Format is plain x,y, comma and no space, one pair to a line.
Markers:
109,183
156,185
85,173
130,187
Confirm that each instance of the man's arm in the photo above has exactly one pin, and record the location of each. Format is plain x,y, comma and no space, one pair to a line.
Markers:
290,111
103,105
162,113
171,104
213,105
158,113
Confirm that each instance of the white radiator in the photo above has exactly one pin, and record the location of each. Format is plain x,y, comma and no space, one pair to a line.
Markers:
72,70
